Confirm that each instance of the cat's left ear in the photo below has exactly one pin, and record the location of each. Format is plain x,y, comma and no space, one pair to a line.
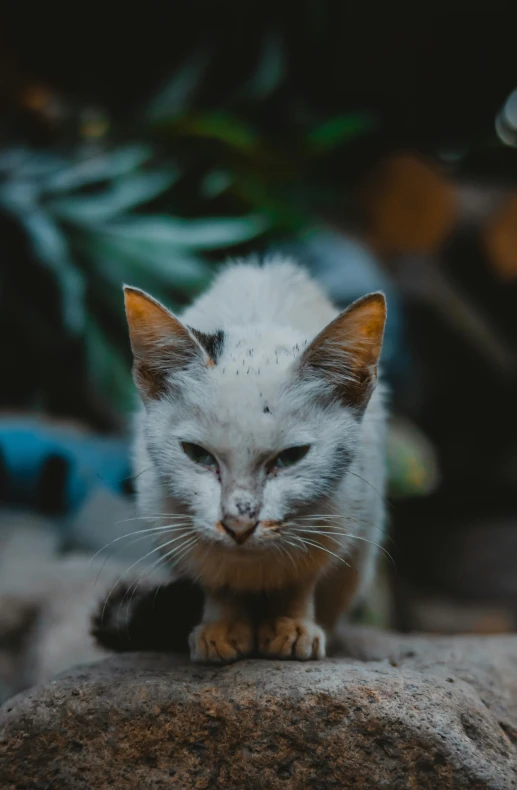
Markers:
346,353
161,344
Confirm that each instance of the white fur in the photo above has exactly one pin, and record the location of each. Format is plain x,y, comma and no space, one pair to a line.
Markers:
269,314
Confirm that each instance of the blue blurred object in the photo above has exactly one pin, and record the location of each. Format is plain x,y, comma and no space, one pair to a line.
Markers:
347,270
37,457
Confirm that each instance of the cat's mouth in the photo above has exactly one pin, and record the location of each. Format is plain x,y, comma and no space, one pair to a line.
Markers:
241,534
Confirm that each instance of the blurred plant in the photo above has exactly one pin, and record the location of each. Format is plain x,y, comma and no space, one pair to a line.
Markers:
97,209
82,218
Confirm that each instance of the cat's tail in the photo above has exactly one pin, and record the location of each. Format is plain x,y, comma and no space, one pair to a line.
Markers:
155,618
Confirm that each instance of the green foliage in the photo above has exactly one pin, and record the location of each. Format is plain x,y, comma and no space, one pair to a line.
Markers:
84,221
339,130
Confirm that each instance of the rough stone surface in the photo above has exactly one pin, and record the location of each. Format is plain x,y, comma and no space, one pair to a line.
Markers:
405,712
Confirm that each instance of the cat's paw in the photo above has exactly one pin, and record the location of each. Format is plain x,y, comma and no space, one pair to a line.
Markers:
221,642
288,637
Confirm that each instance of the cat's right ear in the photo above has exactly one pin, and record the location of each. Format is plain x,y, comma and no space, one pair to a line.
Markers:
347,351
159,341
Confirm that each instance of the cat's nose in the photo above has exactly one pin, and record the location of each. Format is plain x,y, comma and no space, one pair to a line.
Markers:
239,528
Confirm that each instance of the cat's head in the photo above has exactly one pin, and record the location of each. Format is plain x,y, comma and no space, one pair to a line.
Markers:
252,426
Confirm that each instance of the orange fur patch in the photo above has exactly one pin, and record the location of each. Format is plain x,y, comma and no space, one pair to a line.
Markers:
222,642
243,570
149,322
270,524
347,350
158,340
358,331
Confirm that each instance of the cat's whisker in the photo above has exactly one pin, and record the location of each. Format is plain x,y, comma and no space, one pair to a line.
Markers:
151,516
339,518
286,552
321,515
134,585
324,517
298,544
153,551
147,530
308,542
137,474
353,519
144,536
279,549
186,547
382,497
190,541
332,535
291,535
112,556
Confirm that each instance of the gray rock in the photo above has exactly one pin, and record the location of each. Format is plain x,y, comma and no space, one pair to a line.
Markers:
405,712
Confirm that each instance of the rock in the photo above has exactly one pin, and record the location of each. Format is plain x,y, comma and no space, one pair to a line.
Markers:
411,712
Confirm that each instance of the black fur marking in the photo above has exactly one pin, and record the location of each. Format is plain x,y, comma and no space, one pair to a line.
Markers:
158,619
342,458
336,468
267,410
212,343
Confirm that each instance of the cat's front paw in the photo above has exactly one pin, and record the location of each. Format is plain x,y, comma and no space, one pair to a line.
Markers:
221,642
288,637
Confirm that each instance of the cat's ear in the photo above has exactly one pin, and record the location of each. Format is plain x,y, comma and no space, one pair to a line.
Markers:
159,341
346,352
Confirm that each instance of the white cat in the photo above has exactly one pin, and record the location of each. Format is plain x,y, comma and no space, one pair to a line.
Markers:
262,439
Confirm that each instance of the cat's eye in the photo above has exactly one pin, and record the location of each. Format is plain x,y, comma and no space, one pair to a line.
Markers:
289,457
198,454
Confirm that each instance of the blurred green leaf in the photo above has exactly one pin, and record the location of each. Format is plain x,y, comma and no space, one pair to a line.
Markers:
219,126
215,183
281,213
175,96
12,159
51,248
270,69
168,232
109,372
119,259
29,165
339,130
126,193
18,197
101,167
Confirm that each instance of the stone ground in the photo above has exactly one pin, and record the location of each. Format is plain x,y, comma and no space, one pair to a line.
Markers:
400,712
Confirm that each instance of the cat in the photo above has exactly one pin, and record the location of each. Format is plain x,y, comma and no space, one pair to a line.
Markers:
260,454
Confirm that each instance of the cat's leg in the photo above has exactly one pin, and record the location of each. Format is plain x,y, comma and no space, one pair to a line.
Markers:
344,586
335,593
290,629
226,632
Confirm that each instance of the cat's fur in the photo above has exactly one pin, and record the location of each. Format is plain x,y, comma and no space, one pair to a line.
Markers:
260,363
